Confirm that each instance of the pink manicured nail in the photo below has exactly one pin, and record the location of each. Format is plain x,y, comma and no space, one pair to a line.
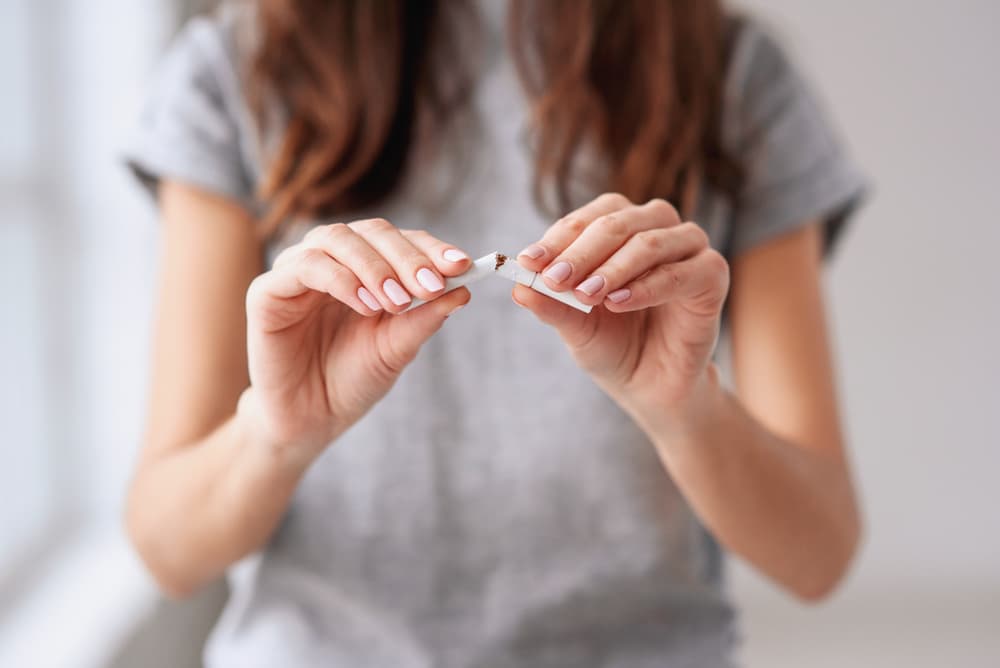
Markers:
369,299
534,251
395,292
558,272
592,285
429,280
618,296
454,255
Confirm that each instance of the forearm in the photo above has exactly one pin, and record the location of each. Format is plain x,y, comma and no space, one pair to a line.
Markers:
194,510
788,510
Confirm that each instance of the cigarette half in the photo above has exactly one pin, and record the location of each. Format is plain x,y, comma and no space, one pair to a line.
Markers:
511,270
483,267
496,263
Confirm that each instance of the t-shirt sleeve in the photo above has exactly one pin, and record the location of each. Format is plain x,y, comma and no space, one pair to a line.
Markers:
795,169
187,129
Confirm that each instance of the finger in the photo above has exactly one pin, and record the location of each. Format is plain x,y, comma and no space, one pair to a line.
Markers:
400,341
605,235
574,326
565,230
415,270
448,259
351,250
287,255
312,270
702,279
639,254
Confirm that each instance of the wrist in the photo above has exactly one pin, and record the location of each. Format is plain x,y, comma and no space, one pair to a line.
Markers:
285,453
684,417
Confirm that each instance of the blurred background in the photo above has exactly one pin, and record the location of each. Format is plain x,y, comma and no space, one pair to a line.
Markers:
914,301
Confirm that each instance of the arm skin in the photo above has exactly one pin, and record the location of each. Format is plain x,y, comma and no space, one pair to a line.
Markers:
767,472
769,476
319,338
205,492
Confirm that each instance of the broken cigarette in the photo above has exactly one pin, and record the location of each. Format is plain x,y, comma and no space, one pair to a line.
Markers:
498,264
480,269
513,271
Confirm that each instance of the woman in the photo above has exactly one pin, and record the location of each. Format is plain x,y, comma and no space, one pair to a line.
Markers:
513,486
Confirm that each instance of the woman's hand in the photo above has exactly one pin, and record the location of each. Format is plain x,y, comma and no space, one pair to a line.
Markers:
323,343
661,289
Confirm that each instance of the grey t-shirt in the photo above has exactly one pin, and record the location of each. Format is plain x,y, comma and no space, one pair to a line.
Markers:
495,509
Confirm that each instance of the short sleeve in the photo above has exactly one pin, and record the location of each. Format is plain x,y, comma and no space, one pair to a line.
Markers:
795,169
188,129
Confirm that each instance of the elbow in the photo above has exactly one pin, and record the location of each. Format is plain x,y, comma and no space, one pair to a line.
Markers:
171,586
174,581
822,582
818,589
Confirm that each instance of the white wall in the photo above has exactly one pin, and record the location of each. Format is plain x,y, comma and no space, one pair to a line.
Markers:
79,249
915,300
915,303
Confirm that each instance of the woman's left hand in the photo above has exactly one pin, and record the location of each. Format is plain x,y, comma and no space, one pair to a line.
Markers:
658,290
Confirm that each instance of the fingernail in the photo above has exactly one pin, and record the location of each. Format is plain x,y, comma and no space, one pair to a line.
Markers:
429,280
369,299
618,296
534,251
559,272
395,292
452,312
592,285
454,255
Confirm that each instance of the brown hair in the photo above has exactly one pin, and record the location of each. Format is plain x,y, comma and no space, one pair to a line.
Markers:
640,81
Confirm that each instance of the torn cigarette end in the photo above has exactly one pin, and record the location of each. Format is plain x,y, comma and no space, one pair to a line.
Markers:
501,259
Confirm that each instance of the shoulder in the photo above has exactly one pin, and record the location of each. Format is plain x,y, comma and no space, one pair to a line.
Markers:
757,58
211,53
760,78
195,125
795,166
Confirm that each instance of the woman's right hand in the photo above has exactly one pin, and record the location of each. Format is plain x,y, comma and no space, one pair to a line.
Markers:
323,338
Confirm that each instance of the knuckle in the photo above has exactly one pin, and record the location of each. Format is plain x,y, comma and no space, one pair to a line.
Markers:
314,232
341,275
310,256
716,261
408,257
663,208
414,260
613,271
573,225
420,234
372,225
256,293
671,275
616,200
650,241
696,233
374,264
286,256
719,268
329,236
612,225
334,231
642,292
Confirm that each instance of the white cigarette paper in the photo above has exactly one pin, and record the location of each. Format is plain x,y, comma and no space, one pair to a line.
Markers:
510,269
502,265
480,269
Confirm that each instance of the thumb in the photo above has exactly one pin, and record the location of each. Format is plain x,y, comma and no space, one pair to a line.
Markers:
405,333
575,327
